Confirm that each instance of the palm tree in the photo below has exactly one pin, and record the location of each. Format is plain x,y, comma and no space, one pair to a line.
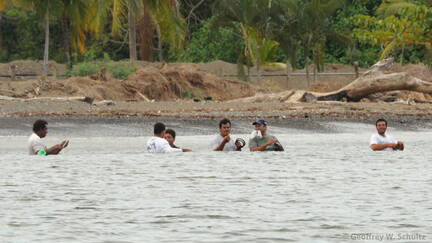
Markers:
161,15
116,12
45,9
164,18
252,20
2,7
307,24
75,19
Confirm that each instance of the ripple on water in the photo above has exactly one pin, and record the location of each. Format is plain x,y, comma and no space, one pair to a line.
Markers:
314,192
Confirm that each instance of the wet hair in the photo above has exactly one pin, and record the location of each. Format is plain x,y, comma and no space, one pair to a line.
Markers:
381,120
171,132
224,121
158,128
39,125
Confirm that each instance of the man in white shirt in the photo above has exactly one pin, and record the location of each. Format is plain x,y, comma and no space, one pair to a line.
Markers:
37,146
222,141
157,143
381,141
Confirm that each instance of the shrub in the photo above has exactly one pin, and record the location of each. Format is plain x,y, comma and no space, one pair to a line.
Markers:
85,69
121,71
188,95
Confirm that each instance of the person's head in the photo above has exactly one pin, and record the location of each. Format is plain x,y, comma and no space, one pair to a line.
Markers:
159,129
170,136
260,125
40,128
225,127
381,126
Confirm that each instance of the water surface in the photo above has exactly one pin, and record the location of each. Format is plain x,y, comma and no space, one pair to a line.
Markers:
325,187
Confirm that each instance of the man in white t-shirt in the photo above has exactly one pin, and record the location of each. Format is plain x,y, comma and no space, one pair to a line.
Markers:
381,141
37,146
157,143
222,141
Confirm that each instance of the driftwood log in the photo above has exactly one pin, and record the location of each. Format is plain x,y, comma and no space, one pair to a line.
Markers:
373,81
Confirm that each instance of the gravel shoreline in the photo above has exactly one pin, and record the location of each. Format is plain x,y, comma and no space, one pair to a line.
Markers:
205,115
187,109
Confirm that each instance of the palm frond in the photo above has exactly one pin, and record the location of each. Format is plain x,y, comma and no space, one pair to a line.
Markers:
389,49
393,7
2,5
171,24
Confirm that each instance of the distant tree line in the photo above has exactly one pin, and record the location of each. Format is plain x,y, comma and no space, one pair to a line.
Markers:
255,33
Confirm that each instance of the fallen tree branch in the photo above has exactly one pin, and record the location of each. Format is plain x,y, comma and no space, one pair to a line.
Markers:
373,81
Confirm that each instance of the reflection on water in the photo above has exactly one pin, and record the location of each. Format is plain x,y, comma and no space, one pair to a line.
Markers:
323,188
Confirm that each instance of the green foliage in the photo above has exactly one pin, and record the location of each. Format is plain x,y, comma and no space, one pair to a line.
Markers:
410,27
210,44
117,70
238,31
188,95
121,71
85,69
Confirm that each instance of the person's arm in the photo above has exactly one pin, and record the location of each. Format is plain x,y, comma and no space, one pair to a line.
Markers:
379,147
263,146
222,145
166,148
56,149
186,150
53,150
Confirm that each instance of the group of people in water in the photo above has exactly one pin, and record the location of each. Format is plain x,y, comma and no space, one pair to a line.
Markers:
163,139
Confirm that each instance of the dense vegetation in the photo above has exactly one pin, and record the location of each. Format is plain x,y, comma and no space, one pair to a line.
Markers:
252,32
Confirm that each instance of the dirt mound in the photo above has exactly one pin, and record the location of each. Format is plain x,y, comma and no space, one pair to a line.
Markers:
32,67
161,83
185,81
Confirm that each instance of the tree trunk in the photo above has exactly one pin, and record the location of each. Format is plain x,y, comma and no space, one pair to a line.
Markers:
132,36
46,50
356,69
146,31
288,71
402,55
307,72
315,73
258,64
67,41
375,80
1,37
160,50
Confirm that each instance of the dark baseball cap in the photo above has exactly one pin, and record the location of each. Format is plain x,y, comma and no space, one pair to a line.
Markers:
260,121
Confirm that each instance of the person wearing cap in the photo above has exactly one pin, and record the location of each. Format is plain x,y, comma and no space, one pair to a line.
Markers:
36,146
222,141
262,141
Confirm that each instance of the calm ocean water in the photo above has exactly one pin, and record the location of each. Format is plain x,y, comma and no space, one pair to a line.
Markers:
326,187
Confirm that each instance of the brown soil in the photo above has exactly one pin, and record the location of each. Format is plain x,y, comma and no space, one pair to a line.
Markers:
163,82
31,67
159,82
188,109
